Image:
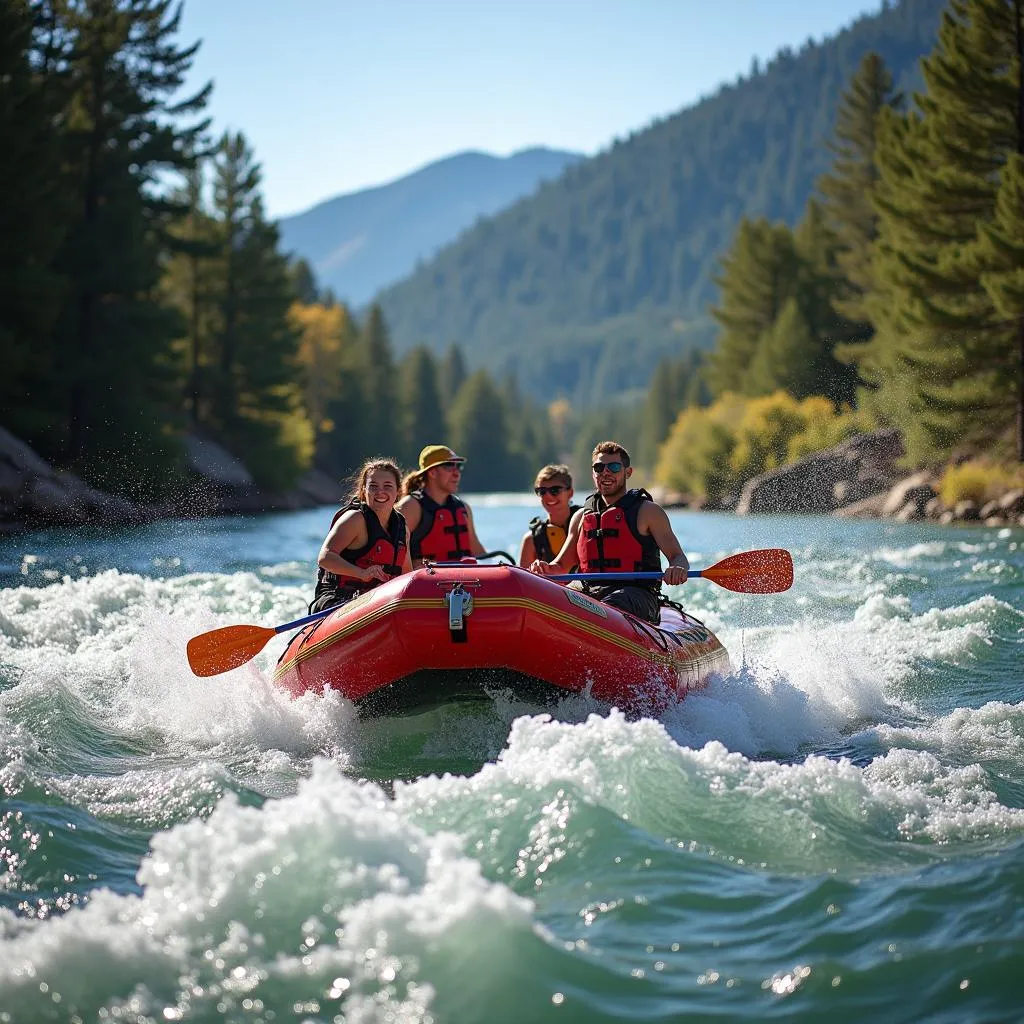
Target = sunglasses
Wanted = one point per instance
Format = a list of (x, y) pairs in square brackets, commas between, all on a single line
[(554, 490), (451, 465), (611, 467)]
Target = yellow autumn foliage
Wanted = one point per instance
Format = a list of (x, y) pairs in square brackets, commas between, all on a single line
[(710, 452), (978, 480), (324, 334)]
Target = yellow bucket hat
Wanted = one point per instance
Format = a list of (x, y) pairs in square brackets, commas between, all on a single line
[(435, 454)]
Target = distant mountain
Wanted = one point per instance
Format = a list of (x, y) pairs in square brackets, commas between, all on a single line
[(362, 242), (582, 287)]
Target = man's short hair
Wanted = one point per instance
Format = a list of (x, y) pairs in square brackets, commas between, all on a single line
[(555, 471), (610, 448)]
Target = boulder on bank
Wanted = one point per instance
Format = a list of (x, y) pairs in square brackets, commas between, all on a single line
[(222, 485), (854, 471), (34, 494), (909, 498)]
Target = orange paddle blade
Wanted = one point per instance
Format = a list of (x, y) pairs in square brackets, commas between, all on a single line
[(768, 571), (226, 648)]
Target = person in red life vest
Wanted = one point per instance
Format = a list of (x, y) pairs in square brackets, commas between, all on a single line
[(440, 524), (368, 542), (546, 535), (620, 530)]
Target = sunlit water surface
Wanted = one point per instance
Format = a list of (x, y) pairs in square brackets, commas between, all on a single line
[(832, 831)]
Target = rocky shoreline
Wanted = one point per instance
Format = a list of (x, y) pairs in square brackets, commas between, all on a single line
[(860, 478), (34, 495)]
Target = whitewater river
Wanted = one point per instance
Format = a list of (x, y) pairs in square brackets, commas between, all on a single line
[(834, 831)]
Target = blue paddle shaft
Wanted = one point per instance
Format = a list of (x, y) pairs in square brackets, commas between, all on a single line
[(306, 619), (617, 577)]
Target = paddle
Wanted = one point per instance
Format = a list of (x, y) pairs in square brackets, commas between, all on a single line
[(226, 648), (767, 571)]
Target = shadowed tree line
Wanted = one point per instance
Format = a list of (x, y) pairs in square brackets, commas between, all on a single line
[(144, 294)]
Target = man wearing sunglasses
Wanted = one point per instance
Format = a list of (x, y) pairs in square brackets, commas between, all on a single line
[(440, 524), (546, 536), (620, 530)]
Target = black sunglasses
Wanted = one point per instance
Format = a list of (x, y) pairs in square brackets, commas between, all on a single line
[(451, 465), (554, 490), (611, 467)]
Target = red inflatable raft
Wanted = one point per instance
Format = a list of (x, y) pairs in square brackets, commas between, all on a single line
[(446, 633)]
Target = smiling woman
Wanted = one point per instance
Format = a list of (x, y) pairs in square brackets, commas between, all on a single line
[(368, 542)]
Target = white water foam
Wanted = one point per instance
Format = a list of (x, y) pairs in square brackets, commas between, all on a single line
[(328, 891), (821, 814), (108, 653)]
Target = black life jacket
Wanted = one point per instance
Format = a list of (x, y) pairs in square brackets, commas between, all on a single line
[(549, 538), (443, 532), (610, 540), (383, 547)]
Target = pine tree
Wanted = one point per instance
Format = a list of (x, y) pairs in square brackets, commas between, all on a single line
[(304, 283), (941, 349), (236, 201), (759, 274), (420, 401), (999, 258), (380, 412), (788, 357), (259, 413), (114, 339), (479, 427), (814, 369), (451, 374), (192, 243), (848, 188)]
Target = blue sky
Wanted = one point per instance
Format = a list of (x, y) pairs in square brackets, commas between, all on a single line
[(337, 95)]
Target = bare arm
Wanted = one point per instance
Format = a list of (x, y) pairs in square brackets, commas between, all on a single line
[(527, 552), (347, 532), (566, 558), (474, 541), (655, 519)]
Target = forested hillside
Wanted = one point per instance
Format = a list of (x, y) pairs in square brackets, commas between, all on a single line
[(362, 242), (581, 288)]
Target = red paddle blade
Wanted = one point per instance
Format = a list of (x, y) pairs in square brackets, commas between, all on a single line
[(226, 648), (768, 571)]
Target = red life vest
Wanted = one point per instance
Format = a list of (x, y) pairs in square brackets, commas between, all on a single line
[(383, 547), (610, 540), (443, 532)]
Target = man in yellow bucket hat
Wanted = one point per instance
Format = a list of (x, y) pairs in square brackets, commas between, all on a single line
[(440, 524)]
